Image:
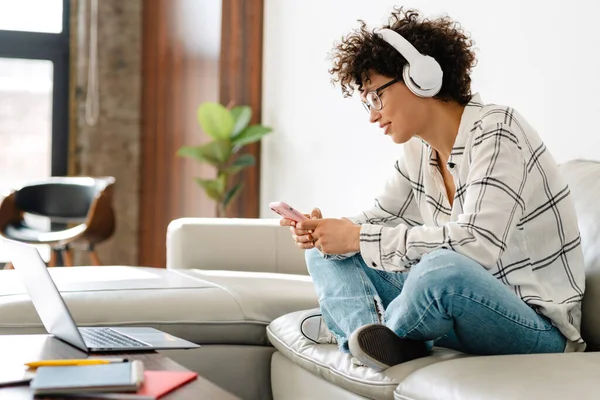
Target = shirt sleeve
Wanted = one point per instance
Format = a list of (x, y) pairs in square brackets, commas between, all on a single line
[(394, 206), (494, 203)]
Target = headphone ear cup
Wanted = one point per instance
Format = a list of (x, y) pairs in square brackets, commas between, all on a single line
[(423, 77), (412, 86), (408, 80)]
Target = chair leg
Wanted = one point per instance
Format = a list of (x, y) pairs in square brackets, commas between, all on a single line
[(67, 257), (52, 262), (94, 257)]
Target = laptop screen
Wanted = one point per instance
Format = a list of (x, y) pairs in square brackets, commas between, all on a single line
[(44, 294)]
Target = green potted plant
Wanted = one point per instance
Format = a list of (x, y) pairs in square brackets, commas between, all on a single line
[(230, 131)]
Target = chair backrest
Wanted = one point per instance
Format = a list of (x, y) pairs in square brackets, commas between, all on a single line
[(62, 199)]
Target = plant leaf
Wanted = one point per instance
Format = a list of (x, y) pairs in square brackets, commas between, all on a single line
[(251, 134), (243, 161), (241, 116), (219, 150), (222, 182), (213, 187), (196, 152), (215, 120), (190, 152), (230, 195), (216, 152)]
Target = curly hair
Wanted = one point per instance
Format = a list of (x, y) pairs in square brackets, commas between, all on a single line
[(363, 51)]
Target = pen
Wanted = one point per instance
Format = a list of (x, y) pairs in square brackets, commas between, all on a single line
[(64, 363)]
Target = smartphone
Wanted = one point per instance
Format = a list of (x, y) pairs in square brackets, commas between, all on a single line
[(287, 211)]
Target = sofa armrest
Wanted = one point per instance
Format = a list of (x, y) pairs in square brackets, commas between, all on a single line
[(235, 244)]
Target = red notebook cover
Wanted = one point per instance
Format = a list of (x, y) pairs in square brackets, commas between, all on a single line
[(159, 383)]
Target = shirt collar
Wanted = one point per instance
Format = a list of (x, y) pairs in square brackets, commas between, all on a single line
[(469, 117)]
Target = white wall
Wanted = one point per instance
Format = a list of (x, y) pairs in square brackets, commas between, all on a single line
[(537, 56)]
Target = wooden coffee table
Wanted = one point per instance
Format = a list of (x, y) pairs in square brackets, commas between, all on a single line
[(16, 350)]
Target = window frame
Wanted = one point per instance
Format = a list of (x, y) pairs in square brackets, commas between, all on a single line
[(53, 47)]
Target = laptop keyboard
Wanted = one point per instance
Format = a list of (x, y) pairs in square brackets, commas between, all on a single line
[(108, 338)]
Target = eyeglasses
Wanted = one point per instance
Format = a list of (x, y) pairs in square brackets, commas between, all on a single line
[(373, 101)]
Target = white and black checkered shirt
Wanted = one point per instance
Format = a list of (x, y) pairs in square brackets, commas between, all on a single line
[(512, 213)]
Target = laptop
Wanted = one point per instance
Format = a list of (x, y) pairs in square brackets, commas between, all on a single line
[(58, 321)]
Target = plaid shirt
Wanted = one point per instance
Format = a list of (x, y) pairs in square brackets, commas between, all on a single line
[(512, 213)]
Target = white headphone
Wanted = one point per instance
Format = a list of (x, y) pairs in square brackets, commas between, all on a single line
[(422, 74)]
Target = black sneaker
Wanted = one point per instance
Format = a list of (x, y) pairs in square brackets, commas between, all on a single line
[(378, 347)]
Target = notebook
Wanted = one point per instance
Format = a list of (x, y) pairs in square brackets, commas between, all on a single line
[(159, 383), (115, 377)]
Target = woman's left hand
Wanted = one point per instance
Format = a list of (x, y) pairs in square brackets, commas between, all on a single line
[(333, 236)]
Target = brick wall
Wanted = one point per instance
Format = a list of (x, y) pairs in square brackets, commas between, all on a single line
[(112, 145)]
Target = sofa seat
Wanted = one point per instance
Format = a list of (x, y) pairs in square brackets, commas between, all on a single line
[(328, 363), (540, 376), (207, 307), (446, 374)]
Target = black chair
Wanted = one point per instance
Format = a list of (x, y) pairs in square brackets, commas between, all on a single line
[(80, 206)]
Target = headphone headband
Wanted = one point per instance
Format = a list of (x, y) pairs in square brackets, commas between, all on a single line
[(402, 45)]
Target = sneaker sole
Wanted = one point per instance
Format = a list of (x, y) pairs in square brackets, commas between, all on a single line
[(379, 347)]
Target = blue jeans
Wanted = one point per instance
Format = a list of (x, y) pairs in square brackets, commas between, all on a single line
[(446, 299)]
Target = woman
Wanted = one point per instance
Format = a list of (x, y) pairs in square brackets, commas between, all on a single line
[(473, 243)]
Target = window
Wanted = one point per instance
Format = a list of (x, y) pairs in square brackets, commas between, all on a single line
[(26, 88), (32, 15), (34, 95)]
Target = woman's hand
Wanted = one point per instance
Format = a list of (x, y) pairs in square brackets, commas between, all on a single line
[(332, 236), (302, 237)]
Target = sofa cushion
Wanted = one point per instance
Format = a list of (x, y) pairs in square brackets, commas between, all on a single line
[(336, 367), (555, 376), (583, 178), (220, 307), (261, 297), (261, 245)]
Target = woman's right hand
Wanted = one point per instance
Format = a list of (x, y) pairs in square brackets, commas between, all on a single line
[(303, 238)]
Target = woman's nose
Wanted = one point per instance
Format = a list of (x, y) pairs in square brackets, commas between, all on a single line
[(374, 116)]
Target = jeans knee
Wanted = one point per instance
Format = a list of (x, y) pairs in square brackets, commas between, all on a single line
[(444, 269), (312, 258), (326, 269), (318, 266)]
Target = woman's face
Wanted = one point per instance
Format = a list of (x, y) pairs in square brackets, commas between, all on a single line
[(403, 114)]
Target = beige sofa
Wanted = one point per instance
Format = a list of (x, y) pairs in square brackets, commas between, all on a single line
[(219, 295), (237, 286)]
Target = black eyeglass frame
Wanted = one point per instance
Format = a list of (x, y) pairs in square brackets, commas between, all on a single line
[(377, 92)]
